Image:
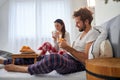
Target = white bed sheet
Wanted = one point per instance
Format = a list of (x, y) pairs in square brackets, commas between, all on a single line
[(4, 75)]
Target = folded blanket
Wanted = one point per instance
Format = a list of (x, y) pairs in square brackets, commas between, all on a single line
[(5, 54)]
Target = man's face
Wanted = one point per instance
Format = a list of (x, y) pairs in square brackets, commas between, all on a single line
[(79, 24)]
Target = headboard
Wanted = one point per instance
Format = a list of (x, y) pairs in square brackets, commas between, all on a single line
[(113, 31)]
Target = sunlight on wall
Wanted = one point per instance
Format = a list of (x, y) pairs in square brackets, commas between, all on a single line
[(91, 3)]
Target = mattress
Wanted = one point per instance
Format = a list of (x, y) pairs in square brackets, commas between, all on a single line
[(4, 75)]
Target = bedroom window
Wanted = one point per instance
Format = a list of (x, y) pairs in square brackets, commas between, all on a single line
[(25, 19), (32, 21)]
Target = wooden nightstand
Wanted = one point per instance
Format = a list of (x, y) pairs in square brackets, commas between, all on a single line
[(103, 69), (32, 55)]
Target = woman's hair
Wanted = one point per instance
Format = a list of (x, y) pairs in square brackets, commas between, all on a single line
[(84, 14), (63, 30)]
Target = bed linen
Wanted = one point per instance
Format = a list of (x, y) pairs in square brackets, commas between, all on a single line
[(4, 75)]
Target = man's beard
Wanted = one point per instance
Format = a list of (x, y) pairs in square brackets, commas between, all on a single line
[(83, 28)]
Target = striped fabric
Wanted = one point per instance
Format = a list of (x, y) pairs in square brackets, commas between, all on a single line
[(63, 64), (20, 61)]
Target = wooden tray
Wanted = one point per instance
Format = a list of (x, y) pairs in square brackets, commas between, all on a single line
[(32, 55)]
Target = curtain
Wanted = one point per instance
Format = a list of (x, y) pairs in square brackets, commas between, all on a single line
[(32, 21)]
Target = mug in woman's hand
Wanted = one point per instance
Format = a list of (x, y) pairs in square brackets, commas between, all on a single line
[(55, 34)]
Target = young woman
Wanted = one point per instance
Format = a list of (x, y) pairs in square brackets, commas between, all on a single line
[(57, 35)]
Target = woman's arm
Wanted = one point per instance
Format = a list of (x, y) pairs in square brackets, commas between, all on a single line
[(56, 45), (55, 37)]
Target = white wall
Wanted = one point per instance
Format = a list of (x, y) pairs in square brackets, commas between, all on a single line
[(2, 2), (104, 12), (4, 26), (75, 5)]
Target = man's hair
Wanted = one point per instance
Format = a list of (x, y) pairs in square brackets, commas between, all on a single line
[(84, 14)]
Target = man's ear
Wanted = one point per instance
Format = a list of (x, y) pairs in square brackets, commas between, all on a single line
[(86, 21)]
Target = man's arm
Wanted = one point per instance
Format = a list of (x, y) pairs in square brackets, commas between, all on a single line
[(77, 54)]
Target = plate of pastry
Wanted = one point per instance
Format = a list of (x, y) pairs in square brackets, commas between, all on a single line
[(26, 50)]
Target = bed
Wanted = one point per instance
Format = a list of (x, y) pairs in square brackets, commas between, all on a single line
[(4, 75)]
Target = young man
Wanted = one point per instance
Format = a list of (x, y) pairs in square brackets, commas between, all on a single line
[(66, 63)]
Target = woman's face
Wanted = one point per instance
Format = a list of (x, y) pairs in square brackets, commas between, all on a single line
[(58, 26)]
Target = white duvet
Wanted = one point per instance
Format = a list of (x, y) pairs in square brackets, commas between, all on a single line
[(4, 75)]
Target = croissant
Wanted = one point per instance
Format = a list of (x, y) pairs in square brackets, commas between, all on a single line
[(26, 49)]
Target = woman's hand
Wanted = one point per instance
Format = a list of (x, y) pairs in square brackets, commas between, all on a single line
[(55, 35)]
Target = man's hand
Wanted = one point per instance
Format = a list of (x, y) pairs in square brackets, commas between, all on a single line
[(63, 44)]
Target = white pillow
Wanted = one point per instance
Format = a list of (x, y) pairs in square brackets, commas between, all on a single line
[(96, 44), (106, 49), (90, 54)]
